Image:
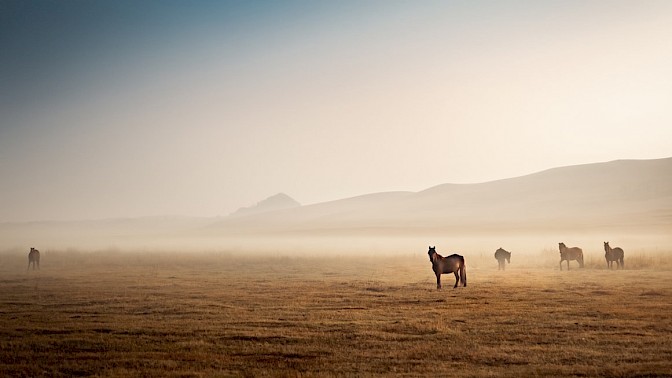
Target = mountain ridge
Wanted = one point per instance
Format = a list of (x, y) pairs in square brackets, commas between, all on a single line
[(584, 194), (280, 201)]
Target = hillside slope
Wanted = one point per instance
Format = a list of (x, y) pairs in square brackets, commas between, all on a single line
[(614, 194)]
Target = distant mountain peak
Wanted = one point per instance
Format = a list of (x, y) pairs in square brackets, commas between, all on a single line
[(280, 201)]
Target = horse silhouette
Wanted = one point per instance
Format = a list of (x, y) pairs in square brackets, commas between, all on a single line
[(568, 254), (502, 257), (450, 264), (613, 254), (33, 258)]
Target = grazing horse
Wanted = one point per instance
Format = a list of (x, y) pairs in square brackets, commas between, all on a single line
[(613, 254), (567, 254), (501, 255), (451, 264), (33, 258)]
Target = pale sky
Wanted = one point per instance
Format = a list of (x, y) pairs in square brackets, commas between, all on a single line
[(126, 109)]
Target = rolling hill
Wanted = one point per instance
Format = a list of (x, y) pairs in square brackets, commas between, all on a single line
[(618, 194)]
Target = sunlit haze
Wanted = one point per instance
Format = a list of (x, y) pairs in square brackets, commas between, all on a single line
[(124, 109)]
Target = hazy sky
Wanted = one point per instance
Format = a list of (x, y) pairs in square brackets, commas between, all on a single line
[(132, 108)]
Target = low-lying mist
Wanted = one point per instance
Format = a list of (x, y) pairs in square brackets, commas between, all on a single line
[(540, 249), (581, 206)]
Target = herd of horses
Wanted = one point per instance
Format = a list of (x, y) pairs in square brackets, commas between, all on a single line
[(576, 254), (455, 263)]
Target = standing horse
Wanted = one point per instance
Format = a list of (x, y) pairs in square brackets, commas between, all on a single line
[(451, 264), (567, 254), (502, 257), (613, 254), (33, 258)]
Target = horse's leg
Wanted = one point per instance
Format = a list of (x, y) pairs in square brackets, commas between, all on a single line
[(463, 275), (567, 264), (457, 278), (438, 281), (561, 265)]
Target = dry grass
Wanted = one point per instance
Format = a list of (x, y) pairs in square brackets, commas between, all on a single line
[(219, 315)]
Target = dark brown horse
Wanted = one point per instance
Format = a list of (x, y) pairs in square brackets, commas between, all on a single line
[(502, 257), (451, 264), (613, 254), (567, 254), (33, 258)]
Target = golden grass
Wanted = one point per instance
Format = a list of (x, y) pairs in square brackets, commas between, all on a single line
[(219, 315)]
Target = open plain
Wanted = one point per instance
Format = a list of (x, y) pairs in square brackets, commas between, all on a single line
[(220, 314)]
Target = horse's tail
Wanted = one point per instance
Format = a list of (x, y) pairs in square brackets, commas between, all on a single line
[(581, 258), (463, 272)]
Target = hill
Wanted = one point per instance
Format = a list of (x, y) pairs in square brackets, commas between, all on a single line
[(625, 198), (605, 194), (280, 201)]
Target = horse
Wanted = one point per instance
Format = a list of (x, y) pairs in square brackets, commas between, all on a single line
[(567, 254), (33, 258), (451, 264), (613, 254), (501, 255)]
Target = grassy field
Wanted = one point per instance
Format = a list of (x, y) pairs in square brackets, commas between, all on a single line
[(164, 314)]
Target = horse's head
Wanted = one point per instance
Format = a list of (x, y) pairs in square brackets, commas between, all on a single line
[(508, 258), (431, 253), (606, 246), (561, 246)]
